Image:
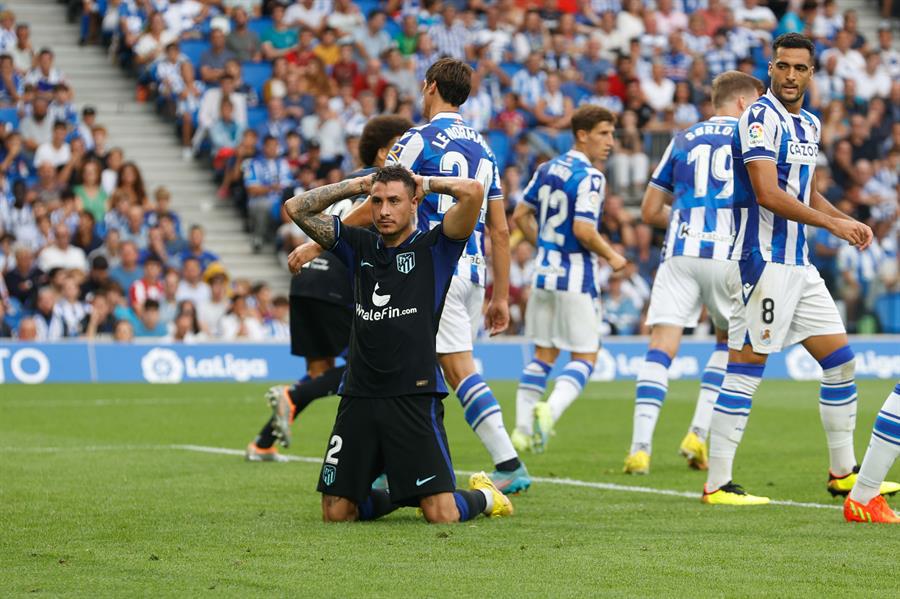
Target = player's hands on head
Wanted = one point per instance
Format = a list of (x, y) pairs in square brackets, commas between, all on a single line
[(420, 190), (303, 254), (365, 183), (617, 262), (496, 319)]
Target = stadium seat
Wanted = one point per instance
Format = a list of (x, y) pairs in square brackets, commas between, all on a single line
[(511, 68), (367, 6), (259, 26), (574, 91), (887, 311), (256, 74), (256, 116), (193, 49), (501, 145), (9, 116)]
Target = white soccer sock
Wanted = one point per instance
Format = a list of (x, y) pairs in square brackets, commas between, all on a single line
[(837, 407), (884, 449), (568, 386), (729, 420), (489, 501), (532, 385), (482, 412), (650, 393), (710, 385)]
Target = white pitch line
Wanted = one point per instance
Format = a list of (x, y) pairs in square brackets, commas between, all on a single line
[(570, 482)]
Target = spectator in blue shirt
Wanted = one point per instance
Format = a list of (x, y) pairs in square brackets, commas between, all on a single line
[(264, 178), (195, 248), (150, 324)]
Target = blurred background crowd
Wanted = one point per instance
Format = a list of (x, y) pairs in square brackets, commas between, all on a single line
[(273, 96)]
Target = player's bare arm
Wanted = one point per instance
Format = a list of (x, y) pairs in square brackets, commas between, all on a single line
[(306, 209), (524, 217), (497, 316), (656, 207), (588, 236), (764, 178), (460, 220), (360, 216)]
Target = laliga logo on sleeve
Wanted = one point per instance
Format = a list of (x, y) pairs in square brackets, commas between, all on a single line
[(755, 135), (161, 365)]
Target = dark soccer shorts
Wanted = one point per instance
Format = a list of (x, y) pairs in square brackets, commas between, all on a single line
[(401, 436), (319, 329)]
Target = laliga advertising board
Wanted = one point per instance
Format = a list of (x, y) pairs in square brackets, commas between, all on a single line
[(78, 362)]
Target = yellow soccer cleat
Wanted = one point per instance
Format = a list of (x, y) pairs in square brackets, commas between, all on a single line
[(521, 442), (543, 427), (502, 504), (841, 485), (876, 511), (694, 449), (637, 463), (731, 494)]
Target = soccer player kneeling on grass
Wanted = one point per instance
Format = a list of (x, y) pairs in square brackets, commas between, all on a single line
[(390, 418)]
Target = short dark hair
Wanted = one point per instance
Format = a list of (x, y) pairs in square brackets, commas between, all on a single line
[(396, 172), (151, 304), (793, 40), (453, 78), (378, 133), (731, 83), (589, 116)]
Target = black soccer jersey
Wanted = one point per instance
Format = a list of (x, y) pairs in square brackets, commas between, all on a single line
[(398, 295)]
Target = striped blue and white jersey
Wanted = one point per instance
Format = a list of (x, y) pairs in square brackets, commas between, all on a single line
[(562, 191), (696, 169), (448, 147), (767, 131)]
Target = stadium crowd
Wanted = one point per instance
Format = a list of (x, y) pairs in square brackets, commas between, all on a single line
[(273, 96)]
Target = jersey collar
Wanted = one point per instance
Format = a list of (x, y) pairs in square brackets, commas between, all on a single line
[(579, 156), (405, 243), (446, 115)]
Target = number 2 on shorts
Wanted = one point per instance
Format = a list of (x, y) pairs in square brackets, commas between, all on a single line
[(334, 446)]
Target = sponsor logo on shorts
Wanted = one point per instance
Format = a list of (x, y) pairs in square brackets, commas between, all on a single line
[(406, 262), (329, 473)]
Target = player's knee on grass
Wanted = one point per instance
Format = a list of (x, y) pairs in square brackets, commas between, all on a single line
[(338, 509), (439, 509)]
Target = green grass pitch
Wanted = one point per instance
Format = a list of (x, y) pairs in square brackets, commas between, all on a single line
[(94, 501)]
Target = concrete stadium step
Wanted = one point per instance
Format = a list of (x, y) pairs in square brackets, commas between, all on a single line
[(147, 139)]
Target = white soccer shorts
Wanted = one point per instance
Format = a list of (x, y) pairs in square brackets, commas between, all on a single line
[(565, 320), (787, 304), (461, 316), (683, 285)]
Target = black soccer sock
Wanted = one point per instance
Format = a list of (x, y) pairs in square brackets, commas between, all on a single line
[(376, 505), (508, 465), (266, 437), (303, 394), (469, 503)]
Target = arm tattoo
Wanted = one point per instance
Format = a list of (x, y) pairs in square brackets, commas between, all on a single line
[(306, 210)]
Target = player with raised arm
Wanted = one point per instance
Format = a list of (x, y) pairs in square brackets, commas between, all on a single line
[(448, 146), (690, 195), (778, 297), (321, 312), (390, 418), (559, 214), (865, 503)]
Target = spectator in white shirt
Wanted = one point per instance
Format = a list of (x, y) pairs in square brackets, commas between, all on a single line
[(658, 91), (346, 18), (56, 151), (758, 19), (530, 82), (191, 287), (669, 19), (211, 311), (890, 57), (150, 46), (450, 36), (211, 104), (241, 322), (61, 254), (304, 14), (874, 80), (849, 61)]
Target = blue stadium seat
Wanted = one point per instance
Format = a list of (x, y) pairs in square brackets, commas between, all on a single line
[(392, 28), (501, 145), (574, 91), (256, 74), (887, 311), (367, 6), (564, 141), (259, 26), (511, 68), (193, 49), (9, 115), (256, 116)]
